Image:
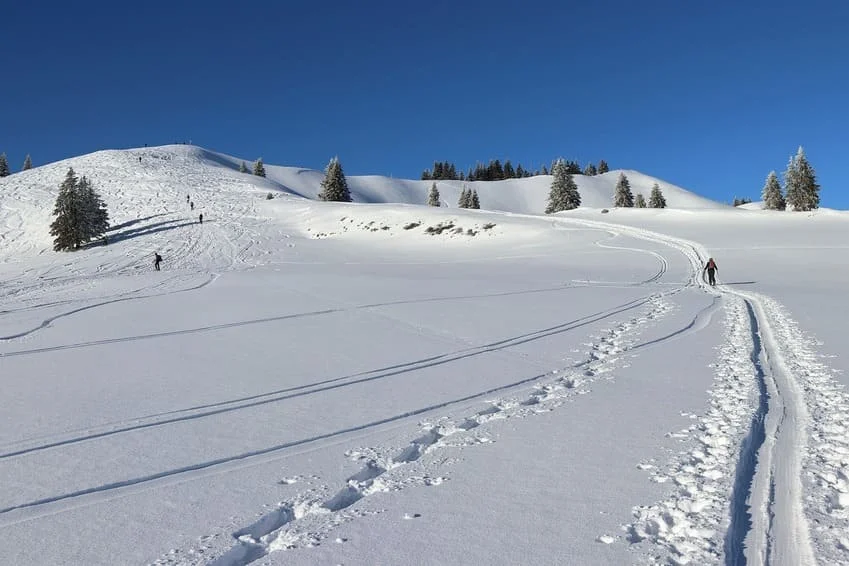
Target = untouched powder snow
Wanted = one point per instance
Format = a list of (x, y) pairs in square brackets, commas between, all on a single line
[(387, 383)]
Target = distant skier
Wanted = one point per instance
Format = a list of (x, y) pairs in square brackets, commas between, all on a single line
[(201, 218), (192, 205), (711, 269), (187, 199), (157, 259)]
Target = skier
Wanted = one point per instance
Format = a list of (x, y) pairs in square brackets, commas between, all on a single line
[(201, 217), (157, 259), (711, 269), (187, 199), (192, 205)]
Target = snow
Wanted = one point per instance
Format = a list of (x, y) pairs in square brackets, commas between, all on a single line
[(388, 383)]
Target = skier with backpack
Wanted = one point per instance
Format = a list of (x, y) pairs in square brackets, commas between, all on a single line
[(711, 269), (157, 259)]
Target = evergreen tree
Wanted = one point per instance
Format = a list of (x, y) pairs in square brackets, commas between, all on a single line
[(497, 173), (656, 199), (622, 196), (259, 168), (243, 168), (520, 171), (800, 183), (27, 163), (437, 170), (640, 201), (334, 187), (564, 192), (602, 167), (451, 171), (67, 210), (465, 198), (771, 195), (573, 167), (433, 196), (474, 201), (80, 214), (509, 172), (4, 165), (545, 170), (590, 170)]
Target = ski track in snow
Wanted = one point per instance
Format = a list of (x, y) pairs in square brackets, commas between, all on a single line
[(777, 417), (308, 518)]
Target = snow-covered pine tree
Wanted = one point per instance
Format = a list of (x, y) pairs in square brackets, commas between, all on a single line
[(564, 193), (545, 170), (334, 187), (640, 201), (590, 170), (259, 168), (68, 211), (27, 163), (474, 201), (4, 165), (95, 217), (656, 198), (792, 184), (602, 167), (803, 192), (771, 195), (243, 168), (463, 201), (622, 195), (433, 196)]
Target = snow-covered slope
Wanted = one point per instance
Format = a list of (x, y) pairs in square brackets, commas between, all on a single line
[(166, 173), (384, 383)]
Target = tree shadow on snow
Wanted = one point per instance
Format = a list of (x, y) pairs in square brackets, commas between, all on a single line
[(740, 283), (131, 222), (150, 229)]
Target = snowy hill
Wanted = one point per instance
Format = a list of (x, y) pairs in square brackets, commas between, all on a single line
[(166, 174), (389, 383)]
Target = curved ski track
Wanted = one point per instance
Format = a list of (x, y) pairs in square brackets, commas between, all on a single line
[(764, 407)]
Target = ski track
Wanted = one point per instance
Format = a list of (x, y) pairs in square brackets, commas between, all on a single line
[(308, 518), (777, 416), (26, 447)]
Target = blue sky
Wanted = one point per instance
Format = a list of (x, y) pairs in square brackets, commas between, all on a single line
[(710, 96)]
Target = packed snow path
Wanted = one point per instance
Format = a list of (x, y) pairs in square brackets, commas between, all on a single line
[(765, 516)]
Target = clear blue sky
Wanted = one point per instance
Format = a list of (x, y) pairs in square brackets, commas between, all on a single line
[(707, 95)]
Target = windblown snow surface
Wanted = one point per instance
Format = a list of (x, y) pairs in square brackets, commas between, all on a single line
[(387, 383)]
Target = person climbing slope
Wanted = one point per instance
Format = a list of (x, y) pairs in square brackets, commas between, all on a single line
[(157, 259), (711, 269)]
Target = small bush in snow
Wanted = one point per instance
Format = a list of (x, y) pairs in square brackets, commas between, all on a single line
[(269, 196)]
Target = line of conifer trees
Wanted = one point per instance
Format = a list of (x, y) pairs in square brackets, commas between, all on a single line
[(496, 171)]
